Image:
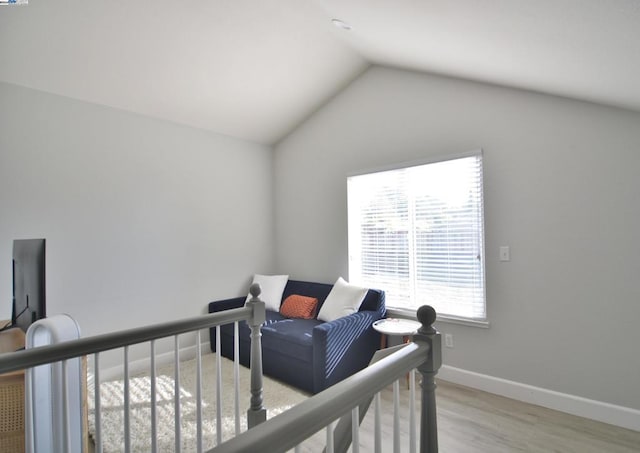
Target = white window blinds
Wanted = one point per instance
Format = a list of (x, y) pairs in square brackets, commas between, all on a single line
[(417, 233)]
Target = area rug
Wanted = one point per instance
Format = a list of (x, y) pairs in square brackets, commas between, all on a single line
[(278, 398)]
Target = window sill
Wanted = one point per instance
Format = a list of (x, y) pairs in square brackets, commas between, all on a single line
[(411, 314)]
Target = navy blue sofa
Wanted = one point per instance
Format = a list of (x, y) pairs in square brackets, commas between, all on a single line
[(306, 353)]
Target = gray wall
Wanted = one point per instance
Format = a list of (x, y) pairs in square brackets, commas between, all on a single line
[(561, 189), (145, 220)]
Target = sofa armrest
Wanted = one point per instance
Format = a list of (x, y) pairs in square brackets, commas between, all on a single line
[(343, 347), (221, 305), (226, 304)]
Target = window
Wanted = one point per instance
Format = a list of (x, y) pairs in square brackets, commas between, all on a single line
[(418, 233)]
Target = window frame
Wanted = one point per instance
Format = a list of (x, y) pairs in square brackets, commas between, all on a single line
[(410, 312)]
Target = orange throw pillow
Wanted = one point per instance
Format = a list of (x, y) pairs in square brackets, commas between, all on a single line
[(297, 306)]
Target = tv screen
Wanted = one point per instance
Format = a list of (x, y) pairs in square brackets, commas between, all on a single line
[(28, 282)]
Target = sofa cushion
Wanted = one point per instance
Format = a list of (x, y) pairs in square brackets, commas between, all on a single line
[(270, 318), (318, 290), (291, 337), (344, 299), (272, 287), (297, 306), (273, 316), (374, 300)]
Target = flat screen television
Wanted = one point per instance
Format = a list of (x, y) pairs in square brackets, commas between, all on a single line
[(29, 290)]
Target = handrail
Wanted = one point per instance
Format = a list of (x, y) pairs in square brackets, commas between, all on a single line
[(76, 348), (303, 420), (317, 412)]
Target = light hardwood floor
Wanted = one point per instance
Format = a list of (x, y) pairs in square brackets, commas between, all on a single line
[(475, 421), (472, 421)]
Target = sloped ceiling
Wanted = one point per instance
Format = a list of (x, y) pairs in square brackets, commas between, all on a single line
[(255, 69)]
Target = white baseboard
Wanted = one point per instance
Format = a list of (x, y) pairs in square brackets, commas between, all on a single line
[(624, 417)]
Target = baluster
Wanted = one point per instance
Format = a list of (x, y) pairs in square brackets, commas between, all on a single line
[(355, 429), (329, 429), (198, 393), (97, 402), (236, 373), (176, 396), (65, 421), (378, 425), (396, 416), (428, 423), (127, 422), (218, 388), (154, 399), (412, 411), (256, 413)]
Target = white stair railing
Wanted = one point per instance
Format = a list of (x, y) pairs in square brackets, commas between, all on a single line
[(339, 410), (348, 401), (253, 313)]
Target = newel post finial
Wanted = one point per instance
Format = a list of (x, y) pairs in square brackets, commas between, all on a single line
[(426, 314), (255, 290)]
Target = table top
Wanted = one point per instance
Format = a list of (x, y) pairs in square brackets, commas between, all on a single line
[(396, 326), (11, 339)]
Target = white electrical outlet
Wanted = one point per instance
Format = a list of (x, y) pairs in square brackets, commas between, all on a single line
[(448, 340), (505, 253)]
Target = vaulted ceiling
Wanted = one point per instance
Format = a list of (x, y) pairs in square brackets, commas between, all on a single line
[(256, 69)]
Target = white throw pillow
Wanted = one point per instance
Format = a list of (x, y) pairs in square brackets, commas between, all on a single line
[(343, 300), (272, 287)]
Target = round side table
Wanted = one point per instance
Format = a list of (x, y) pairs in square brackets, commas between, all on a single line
[(395, 326)]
